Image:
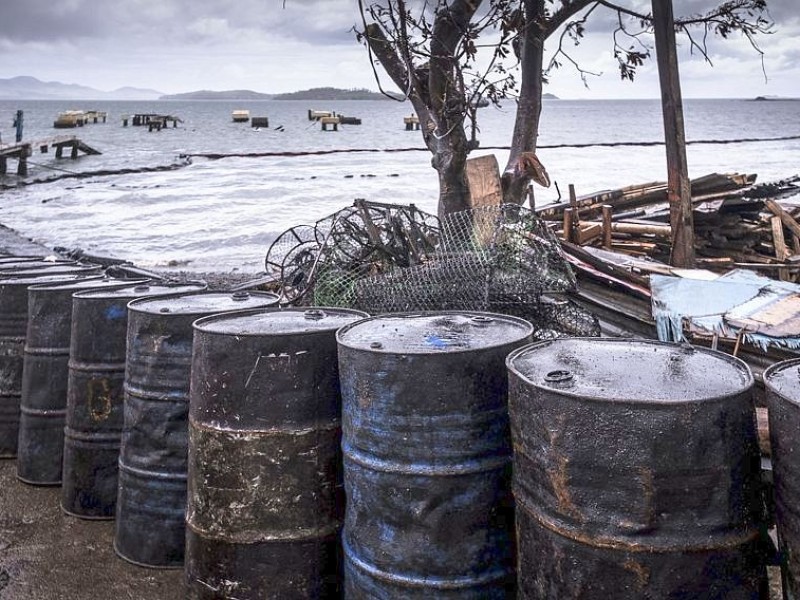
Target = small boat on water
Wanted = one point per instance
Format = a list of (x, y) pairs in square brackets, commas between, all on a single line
[(241, 116), (69, 119)]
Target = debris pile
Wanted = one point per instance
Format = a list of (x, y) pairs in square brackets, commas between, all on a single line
[(384, 258)]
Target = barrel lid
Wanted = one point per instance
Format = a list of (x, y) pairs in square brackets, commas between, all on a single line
[(141, 290), (434, 332), (33, 263), (640, 371), (202, 303), (783, 378), (51, 268), (87, 283), (280, 321), (45, 277)]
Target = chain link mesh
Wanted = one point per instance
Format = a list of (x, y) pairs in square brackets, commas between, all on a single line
[(383, 258)]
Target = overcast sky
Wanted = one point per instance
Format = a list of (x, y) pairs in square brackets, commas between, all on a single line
[(185, 45)]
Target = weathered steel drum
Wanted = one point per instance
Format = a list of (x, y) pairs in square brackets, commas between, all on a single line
[(782, 383), (636, 471), (28, 270), (151, 500), (13, 328), (43, 406), (266, 501), (427, 455), (96, 372)]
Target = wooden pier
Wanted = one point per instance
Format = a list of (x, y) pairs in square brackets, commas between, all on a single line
[(22, 150), (411, 122), (152, 121)]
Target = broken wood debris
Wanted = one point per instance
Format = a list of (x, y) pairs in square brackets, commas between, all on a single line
[(736, 222)]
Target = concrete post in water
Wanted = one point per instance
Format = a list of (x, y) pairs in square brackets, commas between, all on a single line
[(45, 374), (151, 497), (782, 382), (266, 501), (636, 472), (427, 455), (96, 371)]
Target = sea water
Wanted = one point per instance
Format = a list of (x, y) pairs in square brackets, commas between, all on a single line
[(223, 213)]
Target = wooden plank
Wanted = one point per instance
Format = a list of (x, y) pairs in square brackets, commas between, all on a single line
[(781, 251), (607, 214), (483, 178), (568, 224), (587, 232), (777, 210)]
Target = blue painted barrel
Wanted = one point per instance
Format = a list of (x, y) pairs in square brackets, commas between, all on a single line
[(13, 329), (94, 419), (45, 373), (427, 455), (266, 501), (151, 497)]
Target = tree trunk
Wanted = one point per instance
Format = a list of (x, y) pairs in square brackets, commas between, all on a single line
[(529, 105)]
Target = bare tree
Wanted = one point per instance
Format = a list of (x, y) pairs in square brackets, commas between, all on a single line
[(447, 55)]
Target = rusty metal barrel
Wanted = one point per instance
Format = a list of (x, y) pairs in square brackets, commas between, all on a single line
[(782, 383), (427, 455), (265, 495), (636, 471), (37, 269), (151, 500), (43, 405), (13, 328), (96, 372)]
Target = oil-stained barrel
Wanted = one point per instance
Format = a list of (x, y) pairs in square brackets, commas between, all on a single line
[(427, 455), (28, 270), (636, 471), (782, 383), (266, 501), (43, 406), (13, 328), (96, 372), (151, 502)]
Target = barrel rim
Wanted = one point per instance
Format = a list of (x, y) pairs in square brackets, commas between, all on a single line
[(200, 324), (770, 371), (432, 313), (57, 286), (26, 281), (134, 305), (106, 294), (566, 392)]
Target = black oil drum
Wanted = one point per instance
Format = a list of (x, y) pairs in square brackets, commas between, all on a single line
[(427, 455), (151, 500), (96, 372), (266, 501), (782, 383), (43, 406), (28, 270), (636, 471), (13, 328)]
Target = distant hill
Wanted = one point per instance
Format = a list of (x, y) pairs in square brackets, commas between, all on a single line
[(549, 97), (30, 88), (226, 95), (329, 93)]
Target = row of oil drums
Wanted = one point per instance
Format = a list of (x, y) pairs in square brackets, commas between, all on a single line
[(319, 452)]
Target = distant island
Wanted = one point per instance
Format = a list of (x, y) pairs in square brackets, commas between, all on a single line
[(212, 95), (329, 93)]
